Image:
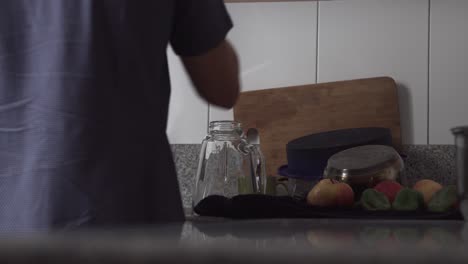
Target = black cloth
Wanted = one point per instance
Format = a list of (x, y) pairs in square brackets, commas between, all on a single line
[(84, 93), (255, 206)]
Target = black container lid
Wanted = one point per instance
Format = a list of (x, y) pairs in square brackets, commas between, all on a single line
[(307, 156), (340, 138)]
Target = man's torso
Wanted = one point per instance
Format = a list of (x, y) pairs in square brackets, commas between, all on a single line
[(84, 91)]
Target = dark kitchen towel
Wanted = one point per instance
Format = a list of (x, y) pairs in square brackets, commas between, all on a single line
[(255, 206)]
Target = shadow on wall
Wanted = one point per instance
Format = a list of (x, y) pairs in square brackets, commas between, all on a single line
[(406, 113)]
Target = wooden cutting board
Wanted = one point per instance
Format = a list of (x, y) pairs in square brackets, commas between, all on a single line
[(282, 114)]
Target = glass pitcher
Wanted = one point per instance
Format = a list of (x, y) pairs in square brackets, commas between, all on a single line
[(228, 164)]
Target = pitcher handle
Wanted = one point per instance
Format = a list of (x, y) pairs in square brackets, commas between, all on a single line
[(258, 165)]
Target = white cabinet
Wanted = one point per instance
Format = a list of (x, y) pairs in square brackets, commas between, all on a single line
[(448, 69), (367, 38), (276, 44), (188, 114)]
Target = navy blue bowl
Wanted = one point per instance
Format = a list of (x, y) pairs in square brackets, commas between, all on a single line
[(308, 156)]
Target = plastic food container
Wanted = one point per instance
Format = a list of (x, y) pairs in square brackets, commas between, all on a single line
[(364, 167)]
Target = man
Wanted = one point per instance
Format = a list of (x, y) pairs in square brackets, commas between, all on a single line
[(84, 93)]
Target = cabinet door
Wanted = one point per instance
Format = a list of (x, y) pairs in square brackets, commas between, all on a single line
[(369, 38), (276, 43), (448, 94), (188, 114)]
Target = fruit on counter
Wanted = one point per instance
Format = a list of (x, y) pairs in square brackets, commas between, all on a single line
[(427, 188), (443, 200), (329, 193), (389, 188), (408, 200), (345, 197), (373, 200)]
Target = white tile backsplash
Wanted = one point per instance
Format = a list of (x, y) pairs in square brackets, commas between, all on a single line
[(448, 69), (276, 44), (369, 38), (188, 113)]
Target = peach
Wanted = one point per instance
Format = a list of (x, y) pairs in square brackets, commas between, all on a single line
[(427, 188), (329, 193)]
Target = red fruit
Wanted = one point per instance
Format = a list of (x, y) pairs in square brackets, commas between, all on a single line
[(346, 196), (389, 188), (331, 193)]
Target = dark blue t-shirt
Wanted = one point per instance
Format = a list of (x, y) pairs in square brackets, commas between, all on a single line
[(84, 92)]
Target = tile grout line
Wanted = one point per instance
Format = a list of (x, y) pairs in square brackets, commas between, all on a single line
[(317, 44), (429, 71)]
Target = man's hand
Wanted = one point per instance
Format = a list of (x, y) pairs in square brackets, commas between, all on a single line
[(215, 75)]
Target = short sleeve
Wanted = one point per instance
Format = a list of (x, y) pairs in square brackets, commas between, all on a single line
[(199, 25)]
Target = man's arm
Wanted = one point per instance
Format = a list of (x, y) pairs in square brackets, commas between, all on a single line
[(215, 75)]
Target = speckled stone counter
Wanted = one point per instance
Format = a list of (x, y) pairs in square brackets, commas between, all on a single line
[(435, 162), (424, 161), (216, 240), (186, 161)]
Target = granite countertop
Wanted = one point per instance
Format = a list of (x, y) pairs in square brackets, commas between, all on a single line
[(435, 162), (212, 240)]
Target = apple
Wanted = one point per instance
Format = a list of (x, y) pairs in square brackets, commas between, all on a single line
[(427, 188), (389, 188), (329, 193)]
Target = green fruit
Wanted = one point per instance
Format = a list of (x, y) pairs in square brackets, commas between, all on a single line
[(408, 200), (443, 200), (373, 200)]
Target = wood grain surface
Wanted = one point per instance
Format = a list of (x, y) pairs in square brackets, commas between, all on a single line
[(283, 114)]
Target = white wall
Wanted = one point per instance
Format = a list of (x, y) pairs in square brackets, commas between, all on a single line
[(188, 114), (448, 89), (369, 38), (423, 44), (276, 44)]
